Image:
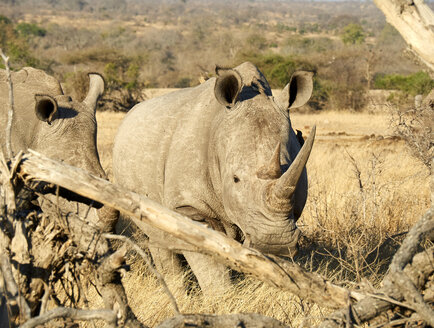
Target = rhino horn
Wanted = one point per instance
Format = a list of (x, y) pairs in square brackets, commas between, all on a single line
[(280, 190), (96, 89), (272, 169)]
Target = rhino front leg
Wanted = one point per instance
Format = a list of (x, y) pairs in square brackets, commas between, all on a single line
[(166, 261), (169, 265), (213, 277)]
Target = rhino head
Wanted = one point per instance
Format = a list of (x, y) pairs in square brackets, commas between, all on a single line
[(52, 123), (258, 168)]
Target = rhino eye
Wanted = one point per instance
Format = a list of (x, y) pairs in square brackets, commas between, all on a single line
[(236, 179)]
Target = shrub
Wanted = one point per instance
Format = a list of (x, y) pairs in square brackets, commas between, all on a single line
[(413, 84), (15, 46), (27, 30), (297, 44), (279, 69), (5, 20), (353, 34), (183, 82), (257, 41), (97, 54)]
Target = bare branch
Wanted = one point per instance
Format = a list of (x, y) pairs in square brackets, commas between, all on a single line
[(148, 261), (248, 320), (9, 153), (13, 294), (74, 314), (391, 294), (5, 182), (414, 21), (280, 273), (423, 228)]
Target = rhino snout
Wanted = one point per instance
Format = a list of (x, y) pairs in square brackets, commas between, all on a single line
[(276, 240)]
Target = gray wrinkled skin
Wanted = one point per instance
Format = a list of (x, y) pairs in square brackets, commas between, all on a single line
[(49, 122), (205, 152)]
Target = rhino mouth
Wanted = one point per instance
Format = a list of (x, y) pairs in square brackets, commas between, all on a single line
[(282, 243)]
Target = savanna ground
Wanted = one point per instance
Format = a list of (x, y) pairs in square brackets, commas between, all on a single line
[(365, 191)]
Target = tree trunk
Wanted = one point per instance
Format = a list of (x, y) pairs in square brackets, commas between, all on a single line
[(414, 20)]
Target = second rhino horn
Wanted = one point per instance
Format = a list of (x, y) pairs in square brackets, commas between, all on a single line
[(271, 170)]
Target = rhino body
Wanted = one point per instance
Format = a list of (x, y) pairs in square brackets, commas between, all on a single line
[(219, 153), (51, 123)]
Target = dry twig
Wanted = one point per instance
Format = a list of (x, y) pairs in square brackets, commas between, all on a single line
[(12, 291), (148, 261), (9, 153), (74, 314)]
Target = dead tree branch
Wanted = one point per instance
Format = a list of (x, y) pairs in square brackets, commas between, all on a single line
[(8, 196), (423, 228), (249, 320), (404, 286), (11, 106), (17, 303), (74, 314), (414, 20), (280, 273), (388, 296), (148, 262)]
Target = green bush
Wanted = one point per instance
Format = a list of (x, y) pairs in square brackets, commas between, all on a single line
[(5, 20), (257, 41), (353, 34), (15, 46), (277, 68), (123, 72), (183, 82), (301, 45), (413, 84), (26, 30)]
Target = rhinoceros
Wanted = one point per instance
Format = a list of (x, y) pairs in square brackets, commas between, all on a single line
[(222, 153), (48, 121)]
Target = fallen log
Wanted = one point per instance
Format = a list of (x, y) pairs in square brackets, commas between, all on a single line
[(275, 271), (250, 320)]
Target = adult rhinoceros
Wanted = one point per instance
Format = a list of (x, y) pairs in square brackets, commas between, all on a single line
[(48, 121), (223, 153)]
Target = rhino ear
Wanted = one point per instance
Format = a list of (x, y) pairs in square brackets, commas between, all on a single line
[(96, 89), (227, 86), (45, 108), (297, 92)]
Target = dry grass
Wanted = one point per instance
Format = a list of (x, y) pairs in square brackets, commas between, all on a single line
[(365, 189)]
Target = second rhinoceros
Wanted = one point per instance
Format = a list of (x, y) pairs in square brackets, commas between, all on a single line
[(222, 153), (50, 122)]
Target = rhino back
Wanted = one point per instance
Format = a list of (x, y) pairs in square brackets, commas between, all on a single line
[(160, 149)]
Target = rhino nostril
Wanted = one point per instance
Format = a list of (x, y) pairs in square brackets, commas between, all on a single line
[(236, 179)]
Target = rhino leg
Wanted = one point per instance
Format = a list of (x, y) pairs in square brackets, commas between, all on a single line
[(169, 265), (213, 277), (166, 261)]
